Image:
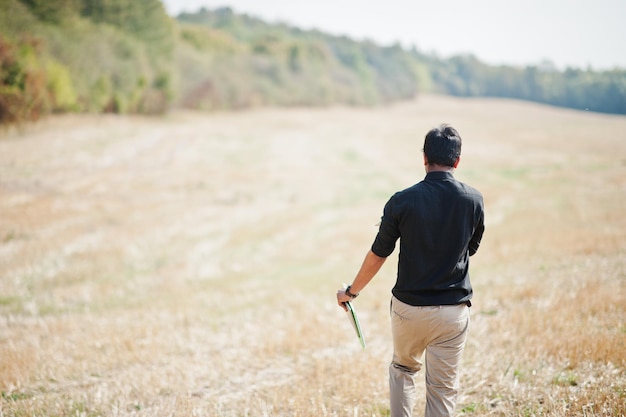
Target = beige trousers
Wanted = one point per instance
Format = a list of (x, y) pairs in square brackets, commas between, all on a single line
[(438, 332)]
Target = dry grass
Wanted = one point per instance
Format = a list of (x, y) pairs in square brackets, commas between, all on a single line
[(187, 266)]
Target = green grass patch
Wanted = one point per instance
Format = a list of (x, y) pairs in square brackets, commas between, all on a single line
[(15, 396)]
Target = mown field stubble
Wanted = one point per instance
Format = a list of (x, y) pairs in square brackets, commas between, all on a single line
[(187, 266)]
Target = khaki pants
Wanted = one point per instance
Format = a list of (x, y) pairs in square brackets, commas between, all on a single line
[(440, 332)]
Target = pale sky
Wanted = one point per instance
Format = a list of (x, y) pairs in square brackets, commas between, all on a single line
[(574, 33)]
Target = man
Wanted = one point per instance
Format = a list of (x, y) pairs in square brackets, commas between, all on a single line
[(440, 223)]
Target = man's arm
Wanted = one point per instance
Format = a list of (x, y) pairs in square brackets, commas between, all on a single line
[(371, 265), (477, 237)]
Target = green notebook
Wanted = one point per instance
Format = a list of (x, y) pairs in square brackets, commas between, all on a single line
[(354, 320)]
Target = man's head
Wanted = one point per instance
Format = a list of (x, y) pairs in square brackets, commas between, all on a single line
[(442, 146)]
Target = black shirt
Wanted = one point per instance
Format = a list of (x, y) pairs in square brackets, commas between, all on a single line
[(440, 222)]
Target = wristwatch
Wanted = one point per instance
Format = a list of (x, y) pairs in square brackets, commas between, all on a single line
[(349, 294)]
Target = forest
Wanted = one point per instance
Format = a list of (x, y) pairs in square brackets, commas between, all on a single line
[(124, 56)]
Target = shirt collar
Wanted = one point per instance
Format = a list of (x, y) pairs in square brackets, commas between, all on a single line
[(440, 175)]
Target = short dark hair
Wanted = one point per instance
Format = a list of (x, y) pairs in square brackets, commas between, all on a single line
[(442, 145)]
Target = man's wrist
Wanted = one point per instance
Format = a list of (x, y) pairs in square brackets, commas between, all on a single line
[(350, 294)]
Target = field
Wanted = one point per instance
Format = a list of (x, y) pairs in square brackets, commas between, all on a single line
[(187, 266)]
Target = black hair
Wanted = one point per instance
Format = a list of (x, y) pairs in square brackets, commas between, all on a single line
[(442, 145)]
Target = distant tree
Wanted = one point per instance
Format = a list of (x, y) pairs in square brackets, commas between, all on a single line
[(53, 11), (23, 95), (145, 19)]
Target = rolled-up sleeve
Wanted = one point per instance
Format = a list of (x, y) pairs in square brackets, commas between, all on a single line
[(388, 232)]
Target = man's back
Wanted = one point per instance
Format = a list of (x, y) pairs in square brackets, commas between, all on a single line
[(439, 222)]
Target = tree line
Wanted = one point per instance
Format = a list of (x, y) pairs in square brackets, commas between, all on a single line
[(583, 89), (84, 56), (126, 56)]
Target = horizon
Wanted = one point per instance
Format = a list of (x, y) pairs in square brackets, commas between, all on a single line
[(589, 34)]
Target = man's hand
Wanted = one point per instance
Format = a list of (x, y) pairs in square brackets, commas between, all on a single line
[(342, 298)]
